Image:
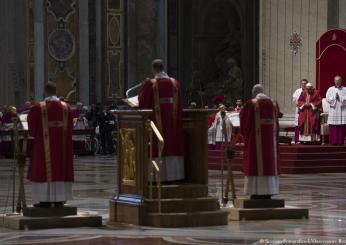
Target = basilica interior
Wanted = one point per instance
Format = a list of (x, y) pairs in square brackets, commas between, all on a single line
[(100, 52)]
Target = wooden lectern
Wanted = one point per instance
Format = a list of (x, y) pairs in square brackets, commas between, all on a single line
[(187, 204)]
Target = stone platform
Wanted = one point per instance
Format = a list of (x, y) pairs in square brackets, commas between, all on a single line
[(45, 218), (184, 205), (263, 209)]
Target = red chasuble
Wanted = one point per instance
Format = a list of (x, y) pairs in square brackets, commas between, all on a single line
[(260, 128), (308, 120), (50, 123), (163, 96)]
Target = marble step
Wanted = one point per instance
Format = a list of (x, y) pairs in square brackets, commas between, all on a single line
[(20, 222), (259, 203), (238, 214), (209, 218), (181, 191), (49, 212), (180, 205)]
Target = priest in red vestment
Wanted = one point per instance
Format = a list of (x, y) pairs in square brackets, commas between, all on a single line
[(51, 163), (162, 94), (309, 106), (260, 129)]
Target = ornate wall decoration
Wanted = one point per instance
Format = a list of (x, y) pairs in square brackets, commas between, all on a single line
[(113, 64), (114, 50), (62, 46), (295, 42), (114, 31), (128, 156), (61, 9)]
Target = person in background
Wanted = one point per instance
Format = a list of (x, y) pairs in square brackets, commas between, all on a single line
[(296, 96), (238, 105), (336, 97), (106, 122), (51, 163), (163, 95), (259, 126), (310, 106)]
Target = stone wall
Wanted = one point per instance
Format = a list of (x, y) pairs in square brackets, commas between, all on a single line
[(281, 69)]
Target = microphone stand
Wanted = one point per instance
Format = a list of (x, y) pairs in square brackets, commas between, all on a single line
[(134, 88), (15, 147)]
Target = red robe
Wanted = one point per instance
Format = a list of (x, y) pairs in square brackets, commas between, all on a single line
[(60, 170), (163, 96), (261, 132), (76, 113), (211, 119), (307, 114)]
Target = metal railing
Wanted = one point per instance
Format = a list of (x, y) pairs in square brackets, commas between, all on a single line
[(154, 166)]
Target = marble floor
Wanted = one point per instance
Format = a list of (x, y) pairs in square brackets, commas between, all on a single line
[(323, 194)]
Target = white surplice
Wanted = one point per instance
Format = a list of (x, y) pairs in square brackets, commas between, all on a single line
[(337, 110), (295, 98), (217, 128)]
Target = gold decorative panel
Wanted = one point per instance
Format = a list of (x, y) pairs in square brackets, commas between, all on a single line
[(128, 156), (114, 50)]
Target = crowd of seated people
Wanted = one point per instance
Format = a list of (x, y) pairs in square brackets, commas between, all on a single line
[(95, 120)]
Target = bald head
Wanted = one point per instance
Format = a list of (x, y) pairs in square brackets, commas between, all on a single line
[(257, 89), (157, 66), (338, 80), (50, 88)]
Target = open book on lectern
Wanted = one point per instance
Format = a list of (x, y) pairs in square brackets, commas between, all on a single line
[(132, 101)]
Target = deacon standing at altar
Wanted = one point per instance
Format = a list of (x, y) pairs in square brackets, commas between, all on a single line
[(162, 94), (310, 106), (260, 127), (51, 163), (217, 127), (296, 96), (336, 97)]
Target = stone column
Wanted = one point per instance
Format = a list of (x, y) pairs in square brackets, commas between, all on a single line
[(342, 14), (99, 51), (146, 29), (333, 14), (84, 52), (39, 49), (12, 52), (162, 30), (131, 43)]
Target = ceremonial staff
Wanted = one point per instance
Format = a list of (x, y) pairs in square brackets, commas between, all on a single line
[(229, 155), (20, 155)]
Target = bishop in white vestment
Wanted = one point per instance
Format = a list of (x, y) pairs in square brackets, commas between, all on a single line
[(336, 97)]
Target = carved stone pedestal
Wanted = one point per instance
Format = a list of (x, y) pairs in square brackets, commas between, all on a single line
[(263, 209)]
